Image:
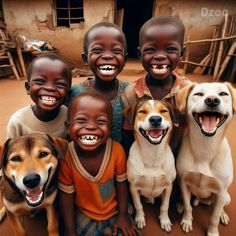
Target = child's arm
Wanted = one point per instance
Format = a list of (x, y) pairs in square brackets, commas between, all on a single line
[(67, 210), (123, 221)]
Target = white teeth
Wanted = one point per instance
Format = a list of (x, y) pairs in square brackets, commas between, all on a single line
[(159, 69), (34, 201), (107, 69), (89, 139), (48, 100)]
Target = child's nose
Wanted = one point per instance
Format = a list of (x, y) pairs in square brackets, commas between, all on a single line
[(160, 55), (107, 55)]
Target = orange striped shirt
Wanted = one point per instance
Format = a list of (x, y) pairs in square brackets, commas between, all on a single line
[(95, 196)]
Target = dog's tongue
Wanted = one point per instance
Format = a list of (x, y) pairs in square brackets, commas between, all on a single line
[(154, 132), (209, 122), (34, 193)]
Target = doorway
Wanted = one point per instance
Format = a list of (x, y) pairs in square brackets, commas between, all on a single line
[(136, 12)]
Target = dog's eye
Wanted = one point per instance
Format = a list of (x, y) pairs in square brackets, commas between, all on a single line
[(223, 94), (16, 159), (43, 154), (198, 94), (142, 112), (164, 111)]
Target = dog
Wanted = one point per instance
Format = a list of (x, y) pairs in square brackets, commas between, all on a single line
[(29, 181), (204, 163), (151, 165)]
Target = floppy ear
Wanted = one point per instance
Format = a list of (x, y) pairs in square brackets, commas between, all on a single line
[(129, 113), (232, 91), (60, 145), (3, 153), (182, 96)]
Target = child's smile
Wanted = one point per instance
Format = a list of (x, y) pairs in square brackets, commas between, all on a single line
[(89, 122)]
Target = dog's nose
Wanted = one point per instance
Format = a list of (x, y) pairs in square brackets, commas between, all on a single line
[(212, 101), (155, 120), (31, 181)]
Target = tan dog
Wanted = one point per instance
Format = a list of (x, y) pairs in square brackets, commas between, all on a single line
[(29, 181), (204, 163), (150, 166)]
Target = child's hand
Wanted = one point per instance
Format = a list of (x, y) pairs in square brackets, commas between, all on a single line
[(123, 222)]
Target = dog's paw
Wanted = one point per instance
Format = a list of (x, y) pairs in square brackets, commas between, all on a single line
[(166, 224), (186, 225), (224, 218), (213, 233), (2, 213), (140, 220)]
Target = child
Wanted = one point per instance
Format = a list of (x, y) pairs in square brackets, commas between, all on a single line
[(161, 49), (105, 54), (92, 178), (48, 84)]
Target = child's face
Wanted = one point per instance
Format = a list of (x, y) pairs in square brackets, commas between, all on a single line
[(48, 85), (89, 124), (161, 50), (106, 53)]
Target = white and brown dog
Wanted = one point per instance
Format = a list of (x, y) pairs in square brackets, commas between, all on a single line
[(151, 166), (204, 163), (29, 181)]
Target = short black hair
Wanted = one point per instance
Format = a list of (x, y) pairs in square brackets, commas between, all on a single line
[(52, 57), (162, 20), (92, 94), (103, 24)]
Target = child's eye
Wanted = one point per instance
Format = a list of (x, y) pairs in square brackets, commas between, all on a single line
[(80, 120), (97, 50), (117, 50), (171, 49), (38, 81), (148, 50), (61, 85), (102, 122)]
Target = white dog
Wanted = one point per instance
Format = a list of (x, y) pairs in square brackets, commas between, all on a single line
[(150, 166), (204, 163)]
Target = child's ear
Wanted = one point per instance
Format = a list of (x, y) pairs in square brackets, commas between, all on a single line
[(85, 58), (182, 52), (139, 53), (27, 87)]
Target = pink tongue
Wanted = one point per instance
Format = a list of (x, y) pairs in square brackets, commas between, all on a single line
[(154, 132), (34, 193), (209, 122)]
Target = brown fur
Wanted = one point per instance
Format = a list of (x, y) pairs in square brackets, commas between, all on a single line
[(29, 148)]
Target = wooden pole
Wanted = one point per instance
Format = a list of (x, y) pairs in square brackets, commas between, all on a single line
[(187, 54), (226, 61), (221, 47), (20, 57)]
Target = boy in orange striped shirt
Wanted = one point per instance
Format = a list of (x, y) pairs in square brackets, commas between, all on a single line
[(92, 178)]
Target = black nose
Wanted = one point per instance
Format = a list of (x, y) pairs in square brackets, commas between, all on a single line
[(31, 181), (212, 101), (155, 120)]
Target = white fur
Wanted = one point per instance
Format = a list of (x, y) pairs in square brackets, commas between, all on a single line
[(151, 171), (209, 158)]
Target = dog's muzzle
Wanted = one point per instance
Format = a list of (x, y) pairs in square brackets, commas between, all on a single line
[(34, 195)]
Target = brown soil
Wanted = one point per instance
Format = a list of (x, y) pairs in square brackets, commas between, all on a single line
[(13, 96)]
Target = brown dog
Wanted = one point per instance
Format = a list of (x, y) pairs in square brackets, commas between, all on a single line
[(29, 183)]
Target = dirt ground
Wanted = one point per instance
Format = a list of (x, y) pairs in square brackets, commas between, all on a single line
[(13, 97)]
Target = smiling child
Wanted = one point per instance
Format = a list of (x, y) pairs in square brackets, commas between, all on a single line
[(105, 54), (92, 179), (48, 84)]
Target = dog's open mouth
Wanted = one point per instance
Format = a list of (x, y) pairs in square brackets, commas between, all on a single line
[(154, 136), (209, 121), (35, 196)]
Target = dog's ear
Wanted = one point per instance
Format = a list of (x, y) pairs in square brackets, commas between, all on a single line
[(3, 153), (182, 96), (232, 91), (129, 113), (60, 145)]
